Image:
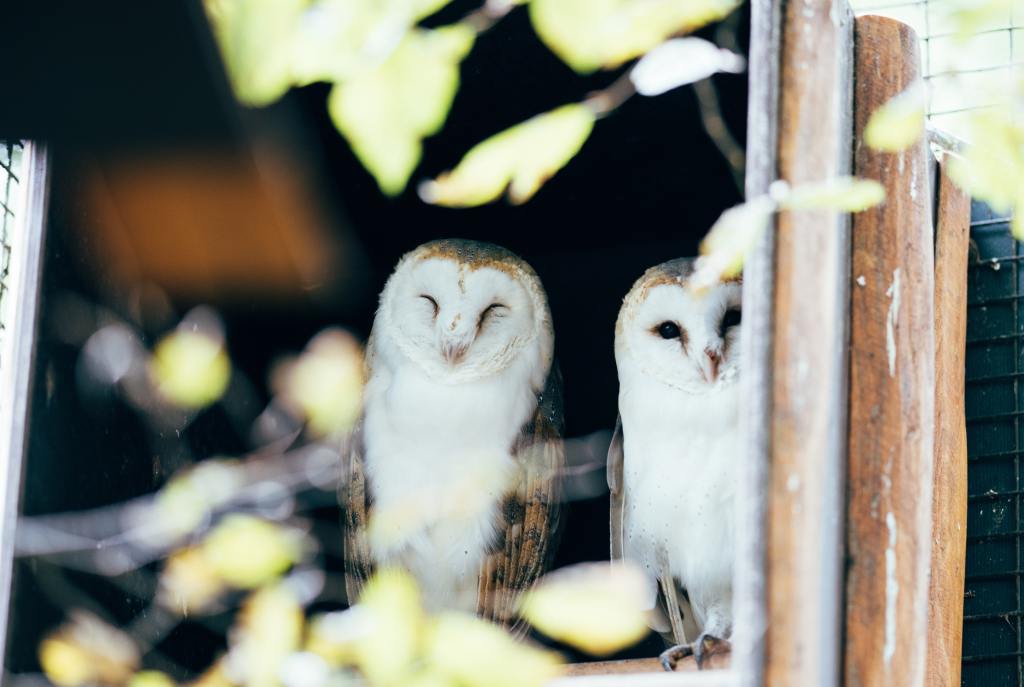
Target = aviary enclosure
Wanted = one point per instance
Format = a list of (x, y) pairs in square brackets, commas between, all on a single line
[(155, 206)]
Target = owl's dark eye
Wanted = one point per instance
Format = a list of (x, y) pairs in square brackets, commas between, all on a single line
[(490, 309), (732, 317), (668, 330), (432, 303)]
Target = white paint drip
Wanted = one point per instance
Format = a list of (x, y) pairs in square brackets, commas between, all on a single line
[(892, 590), (861, 281), (890, 321), (913, 180)]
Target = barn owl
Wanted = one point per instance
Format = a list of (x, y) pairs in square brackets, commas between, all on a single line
[(451, 472), (672, 460)]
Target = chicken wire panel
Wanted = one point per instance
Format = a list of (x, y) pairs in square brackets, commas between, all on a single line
[(993, 649), (961, 73), (10, 179)]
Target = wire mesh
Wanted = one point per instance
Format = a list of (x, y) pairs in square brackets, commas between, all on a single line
[(962, 73), (993, 648), (10, 179)]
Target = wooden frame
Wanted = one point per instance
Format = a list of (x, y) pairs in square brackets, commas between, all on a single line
[(808, 413), (17, 354)]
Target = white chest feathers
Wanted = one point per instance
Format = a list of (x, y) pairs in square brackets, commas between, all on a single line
[(680, 458), (438, 461)]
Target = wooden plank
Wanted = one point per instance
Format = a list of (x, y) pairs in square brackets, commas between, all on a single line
[(749, 593), (636, 666), (949, 480), (808, 421), (892, 378), (18, 353)]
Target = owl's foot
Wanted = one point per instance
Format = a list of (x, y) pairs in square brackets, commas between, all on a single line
[(703, 648)]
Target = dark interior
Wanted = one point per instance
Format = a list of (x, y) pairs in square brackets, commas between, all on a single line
[(99, 81)]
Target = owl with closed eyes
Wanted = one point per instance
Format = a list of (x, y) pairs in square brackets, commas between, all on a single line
[(672, 461), (452, 471)]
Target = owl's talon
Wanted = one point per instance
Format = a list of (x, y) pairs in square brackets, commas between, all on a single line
[(669, 657), (707, 646), (702, 649)]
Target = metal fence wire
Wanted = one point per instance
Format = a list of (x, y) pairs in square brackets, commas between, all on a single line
[(10, 178), (993, 647), (961, 74)]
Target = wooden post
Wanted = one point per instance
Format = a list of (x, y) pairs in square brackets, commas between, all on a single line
[(809, 337), (949, 505), (892, 384)]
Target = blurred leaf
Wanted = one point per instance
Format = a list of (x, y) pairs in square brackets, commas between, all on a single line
[(729, 241), (247, 552), (214, 676), (520, 159), (597, 607), (971, 16), (386, 111), (151, 678), (256, 39), (992, 167), (471, 499), (269, 629), (304, 669), (392, 620), (186, 500), (682, 61), (333, 636), (594, 34), (898, 123), (189, 583), (190, 369), (845, 194), (474, 652), (325, 384), (86, 650), (339, 38), (65, 663)]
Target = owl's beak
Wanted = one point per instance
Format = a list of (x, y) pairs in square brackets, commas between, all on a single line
[(454, 351), (710, 363)]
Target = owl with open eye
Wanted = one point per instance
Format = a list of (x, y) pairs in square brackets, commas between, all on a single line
[(452, 472), (672, 460)]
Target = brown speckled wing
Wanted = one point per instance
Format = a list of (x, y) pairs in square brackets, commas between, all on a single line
[(355, 502), (529, 520), (615, 490)]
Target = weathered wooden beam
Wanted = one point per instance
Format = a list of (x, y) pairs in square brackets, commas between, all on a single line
[(949, 480), (808, 415), (892, 384)]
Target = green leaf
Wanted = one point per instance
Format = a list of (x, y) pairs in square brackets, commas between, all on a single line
[(968, 17), (339, 38), (256, 39), (729, 241), (898, 123), (992, 167), (520, 159), (386, 111), (597, 607), (268, 629), (602, 34), (474, 652), (391, 613), (845, 194), (190, 368), (325, 384), (247, 552)]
